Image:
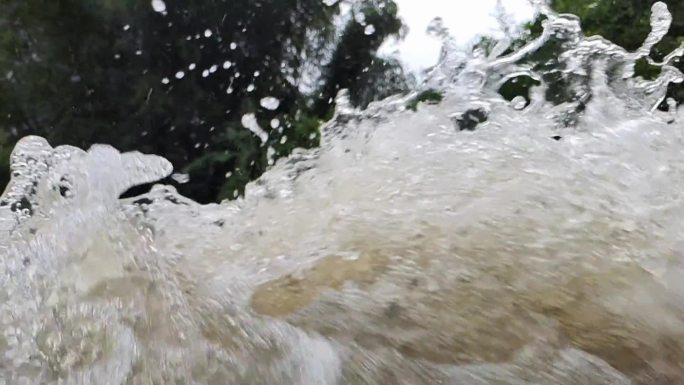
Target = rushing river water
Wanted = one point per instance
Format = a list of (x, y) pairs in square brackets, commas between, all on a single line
[(403, 251)]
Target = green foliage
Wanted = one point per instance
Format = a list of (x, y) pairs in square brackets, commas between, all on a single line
[(428, 96), (518, 86), (354, 64), (5, 150), (85, 71)]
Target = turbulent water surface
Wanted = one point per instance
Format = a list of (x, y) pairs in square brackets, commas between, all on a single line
[(404, 251)]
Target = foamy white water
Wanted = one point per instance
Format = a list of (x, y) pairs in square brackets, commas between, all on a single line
[(403, 251)]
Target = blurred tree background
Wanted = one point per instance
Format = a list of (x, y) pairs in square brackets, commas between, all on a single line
[(208, 84), (213, 84)]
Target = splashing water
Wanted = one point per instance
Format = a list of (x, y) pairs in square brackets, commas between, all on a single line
[(404, 250)]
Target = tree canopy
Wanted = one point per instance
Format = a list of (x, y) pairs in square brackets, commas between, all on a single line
[(209, 84)]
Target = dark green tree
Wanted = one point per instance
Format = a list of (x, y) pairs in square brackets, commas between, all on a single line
[(179, 80), (355, 65)]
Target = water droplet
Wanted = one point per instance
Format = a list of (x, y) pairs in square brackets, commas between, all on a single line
[(275, 123), (180, 75), (165, 81), (519, 102), (369, 30), (213, 68), (192, 66), (250, 88), (207, 33), (330, 3), (126, 27), (159, 6), (205, 73), (227, 64), (181, 178), (233, 45), (249, 121), (269, 103), (256, 74), (437, 29), (270, 155)]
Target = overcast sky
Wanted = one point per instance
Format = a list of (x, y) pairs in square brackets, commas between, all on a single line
[(464, 18)]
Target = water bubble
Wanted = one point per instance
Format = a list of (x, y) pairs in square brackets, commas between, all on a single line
[(159, 6), (180, 75), (269, 103), (369, 30)]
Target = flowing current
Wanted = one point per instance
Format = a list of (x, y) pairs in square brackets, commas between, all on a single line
[(405, 250)]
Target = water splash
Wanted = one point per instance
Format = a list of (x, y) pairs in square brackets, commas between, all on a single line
[(405, 250)]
